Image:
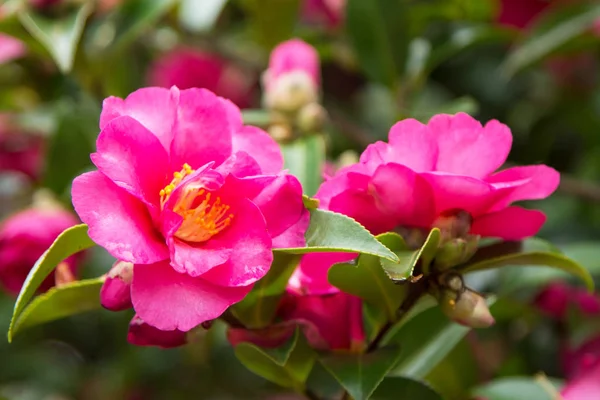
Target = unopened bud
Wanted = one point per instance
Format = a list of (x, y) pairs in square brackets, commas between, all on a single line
[(467, 308), (291, 91), (311, 118), (456, 252), (115, 294), (280, 132), (453, 224)]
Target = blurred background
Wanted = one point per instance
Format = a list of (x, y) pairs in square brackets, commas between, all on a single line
[(532, 64)]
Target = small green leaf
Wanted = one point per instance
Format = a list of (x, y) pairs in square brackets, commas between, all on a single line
[(272, 21), (535, 259), (516, 388), (71, 241), (408, 259), (305, 158), (310, 203), (360, 374), (59, 302), (288, 366), (59, 37), (200, 15), (554, 30), (332, 232), (258, 308), (403, 388)]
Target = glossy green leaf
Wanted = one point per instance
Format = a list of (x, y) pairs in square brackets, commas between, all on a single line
[(258, 308), (272, 21), (360, 374), (59, 37), (305, 158), (399, 271), (554, 30), (517, 388), (200, 15), (59, 302), (288, 365), (395, 388), (332, 232), (378, 33), (535, 259), (71, 241)]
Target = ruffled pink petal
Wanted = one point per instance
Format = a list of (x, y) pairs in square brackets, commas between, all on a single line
[(413, 145), (584, 387), (374, 155), (355, 177), (10, 48), (364, 208), (197, 258), (467, 148), (263, 148), (240, 165), (202, 130), (461, 192), (512, 223), (250, 245), (133, 158), (311, 275), (153, 107), (117, 221), (404, 195), (294, 236), (169, 300), (532, 182), (142, 334)]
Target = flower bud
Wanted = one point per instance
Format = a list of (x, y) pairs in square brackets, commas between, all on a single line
[(311, 118), (466, 308), (290, 92), (455, 252), (453, 224), (115, 294), (281, 132), (142, 334)]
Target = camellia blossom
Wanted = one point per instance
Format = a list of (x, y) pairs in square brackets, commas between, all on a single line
[(24, 237), (326, 12), (557, 297), (189, 68), (426, 170), (10, 48), (194, 199)]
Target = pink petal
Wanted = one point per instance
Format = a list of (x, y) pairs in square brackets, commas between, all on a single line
[(10, 48), (133, 158), (115, 295), (142, 334), (460, 192), (311, 275), (294, 55), (294, 236), (203, 130), (512, 223), (532, 182), (355, 177), (261, 146), (467, 148), (197, 258), (413, 145), (169, 300), (240, 164), (584, 387), (153, 107), (250, 244), (374, 155), (117, 221), (364, 208), (404, 195)]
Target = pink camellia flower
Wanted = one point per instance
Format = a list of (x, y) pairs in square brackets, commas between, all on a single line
[(190, 196), (520, 13), (426, 170), (189, 68), (10, 48), (324, 12), (556, 298), (293, 77), (24, 237)]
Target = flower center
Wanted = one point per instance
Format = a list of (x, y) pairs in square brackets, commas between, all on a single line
[(203, 214)]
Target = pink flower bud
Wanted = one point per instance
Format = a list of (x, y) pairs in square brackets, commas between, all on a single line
[(142, 334), (115, 294), (468, 308), (24, 237), (10, 48)]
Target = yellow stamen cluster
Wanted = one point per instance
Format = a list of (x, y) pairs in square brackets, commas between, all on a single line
[(203, 221), (177, 178)]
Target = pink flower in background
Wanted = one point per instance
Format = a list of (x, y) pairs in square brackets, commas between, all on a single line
[(188, 68), (520, 13), (44, 3), (324, 12), (10, 48), (557, 297), (24, 237), (20, 151), (190, 196)]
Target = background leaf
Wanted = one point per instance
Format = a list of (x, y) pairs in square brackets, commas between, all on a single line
[(404, 388), (305, 159), (515, 388)]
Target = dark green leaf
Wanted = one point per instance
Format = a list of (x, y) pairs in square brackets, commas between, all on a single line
[(259, 306), (332, 232), (272, 21), (378, 32), (305, 158), (71, 241), (200, 15), (360, 374), (59, 37), (516, 388), (402, 270), (403, 388), (555, 29), (59, 302)]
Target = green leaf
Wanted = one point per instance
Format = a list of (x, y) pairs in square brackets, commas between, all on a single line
[(517, 388), (378, 32), (200, 15), (59, 302), (557, 28), (535, 259), (258, 308), (399, 271), (288, 366), (272, 21), (257, 117), (332, 232), (586, 254), (305, 158), (71, 241), (403, 388), (59, 37), (360, 374)]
